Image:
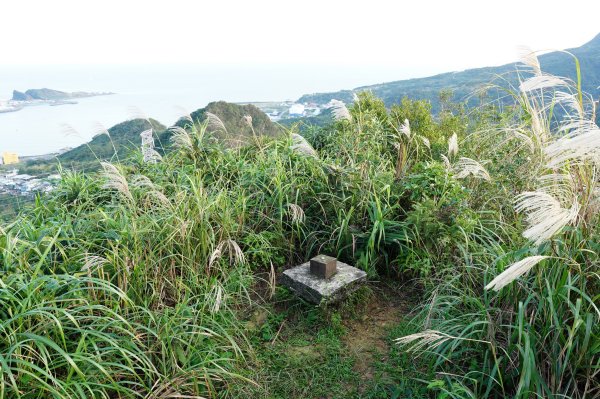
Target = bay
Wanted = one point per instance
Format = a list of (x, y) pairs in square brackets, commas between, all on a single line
[(159, 91)]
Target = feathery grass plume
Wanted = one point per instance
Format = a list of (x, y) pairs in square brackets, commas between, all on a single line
[(528, 57), (571, 103), (115, 180), (581, 143), (301, 146), (217, 296), (152, 192), (545, 214), (214, 256), (405, 128), (446, 161), (69, 131), (248, 120), (142, 181), (467, 166), (215, 123), (272, 281), (514, 271), (93, 263), (340, 111), (425, 141), (183, 114), (236, 255), (161, 197), (296, 213), (99, 129), (452, 145), (559, 185), (539, 128), (137, 113), (519, 134), (180, 138), (541, 82), (428, 339)]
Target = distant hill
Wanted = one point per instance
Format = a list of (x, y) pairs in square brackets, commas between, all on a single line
[(464, 84), (238, 131), (50, 95), (125, 137)]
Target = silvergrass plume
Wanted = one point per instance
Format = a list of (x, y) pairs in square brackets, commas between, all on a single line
[(545, 215), (215, 123), (180, 138), (115, 180), (428, 339), (514, 271), (470, 167), (452, 145), (405, 128), (301, 146), (528, 57), (296, 213), (340, 111), (98, 129), (70, 131)]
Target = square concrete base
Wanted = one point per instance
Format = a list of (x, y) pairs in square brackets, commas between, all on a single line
[(319, 290)]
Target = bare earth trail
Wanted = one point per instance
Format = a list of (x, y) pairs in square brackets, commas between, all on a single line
[(345, 351)]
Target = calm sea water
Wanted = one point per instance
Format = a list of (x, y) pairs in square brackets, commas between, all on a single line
[(157, 91)]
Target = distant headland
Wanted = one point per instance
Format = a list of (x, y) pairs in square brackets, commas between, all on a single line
[(21, 99), (52, 95)]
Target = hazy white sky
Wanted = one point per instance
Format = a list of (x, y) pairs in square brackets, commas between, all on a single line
[(415, 34)]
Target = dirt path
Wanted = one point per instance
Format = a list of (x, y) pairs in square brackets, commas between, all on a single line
[(367, 335)]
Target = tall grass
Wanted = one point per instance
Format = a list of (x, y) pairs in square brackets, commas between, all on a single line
[(538, 335), (133, 282)]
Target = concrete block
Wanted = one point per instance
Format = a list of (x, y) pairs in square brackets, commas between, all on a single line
[(319, 290), (323, 266)]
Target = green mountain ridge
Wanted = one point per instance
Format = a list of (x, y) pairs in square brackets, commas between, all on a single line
[(237, 127), (464, 84)]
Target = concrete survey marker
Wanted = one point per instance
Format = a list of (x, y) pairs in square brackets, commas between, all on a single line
[(315, 287)]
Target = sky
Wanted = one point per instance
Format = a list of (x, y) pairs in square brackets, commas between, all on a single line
[(419, 36)]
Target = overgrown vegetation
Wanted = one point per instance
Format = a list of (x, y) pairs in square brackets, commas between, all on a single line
[(156, 277)]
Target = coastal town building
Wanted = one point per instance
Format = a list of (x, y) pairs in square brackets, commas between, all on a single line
[(13, 183), (9, 158), (296, 110)]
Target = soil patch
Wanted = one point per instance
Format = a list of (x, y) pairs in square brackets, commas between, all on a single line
[(367, 334)]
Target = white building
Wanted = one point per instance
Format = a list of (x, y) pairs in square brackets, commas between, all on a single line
[(296, 110)]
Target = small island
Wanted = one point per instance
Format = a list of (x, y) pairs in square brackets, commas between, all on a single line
[(44, 96)]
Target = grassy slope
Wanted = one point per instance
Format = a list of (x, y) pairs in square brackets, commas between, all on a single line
[(145, 281), (346, 351), (237, 128), (123, 139)]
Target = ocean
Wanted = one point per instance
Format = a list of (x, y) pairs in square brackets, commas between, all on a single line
[(159, 91)]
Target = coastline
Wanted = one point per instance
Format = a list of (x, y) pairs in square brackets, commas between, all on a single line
[(17, 105)]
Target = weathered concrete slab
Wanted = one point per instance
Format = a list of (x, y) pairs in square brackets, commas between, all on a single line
[(319, 290)]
